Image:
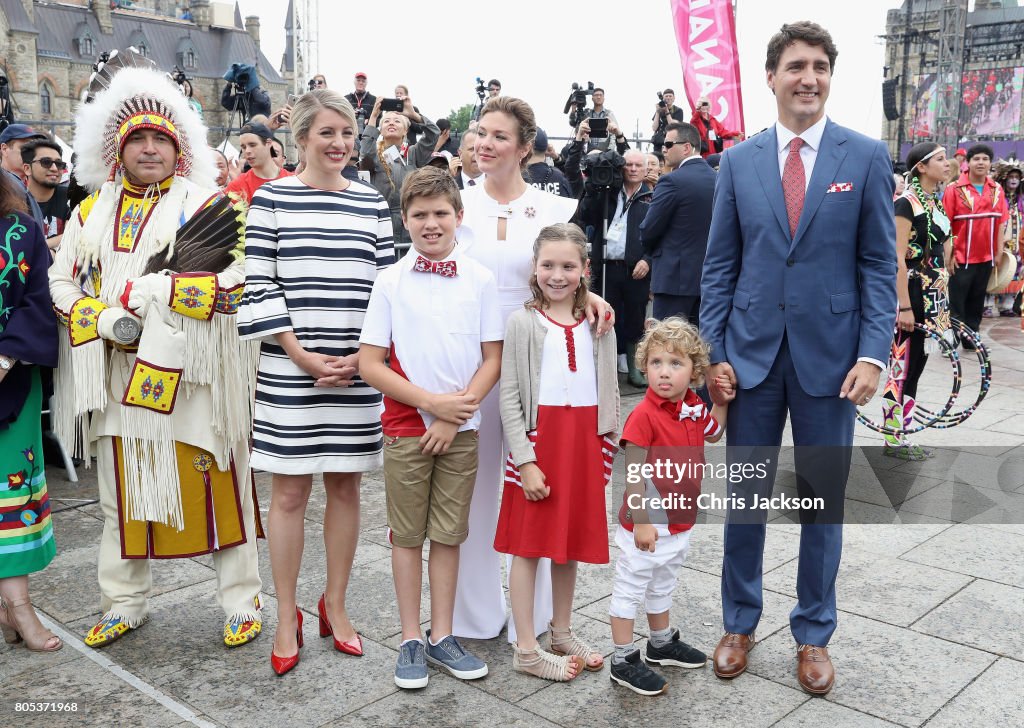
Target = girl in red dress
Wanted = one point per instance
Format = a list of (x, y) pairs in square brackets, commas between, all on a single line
[(559, 405)]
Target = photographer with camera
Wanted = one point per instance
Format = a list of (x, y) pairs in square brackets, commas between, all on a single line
[(362, 101), (615, 202), (384, 153), (575, 150), (577, 105), (242, 93), (712, 133), (665, 113), (675, 231)]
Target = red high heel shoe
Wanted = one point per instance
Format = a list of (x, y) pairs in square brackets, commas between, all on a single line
[(353, 646), (282, 665)]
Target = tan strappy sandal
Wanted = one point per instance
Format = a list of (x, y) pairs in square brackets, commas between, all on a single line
[(566, 642), (42, 640), (543, 664)]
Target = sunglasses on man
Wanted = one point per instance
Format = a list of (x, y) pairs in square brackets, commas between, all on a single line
[(47, 163), (669, 145)]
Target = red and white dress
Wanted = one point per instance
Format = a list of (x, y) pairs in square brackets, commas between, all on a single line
[(571, 523)]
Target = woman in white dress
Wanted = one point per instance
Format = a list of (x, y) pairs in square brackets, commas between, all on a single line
[(313, 246), (502, 219)]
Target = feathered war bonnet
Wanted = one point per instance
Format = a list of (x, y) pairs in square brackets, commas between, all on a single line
[(1003, 167), (127, 93)]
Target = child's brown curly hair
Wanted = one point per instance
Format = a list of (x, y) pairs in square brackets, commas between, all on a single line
[(678, 336)]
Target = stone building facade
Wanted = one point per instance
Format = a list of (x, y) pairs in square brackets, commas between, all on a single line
[(993, 71), (48, 48)]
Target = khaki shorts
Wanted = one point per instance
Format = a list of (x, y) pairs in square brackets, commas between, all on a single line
[(428, 496)]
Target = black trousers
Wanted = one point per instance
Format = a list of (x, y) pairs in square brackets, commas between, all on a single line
[(967, 293), (685, 307), (628, 298)]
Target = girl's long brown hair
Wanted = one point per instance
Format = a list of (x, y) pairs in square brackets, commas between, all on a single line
[(563, 231)]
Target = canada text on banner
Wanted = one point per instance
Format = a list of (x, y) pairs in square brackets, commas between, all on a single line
[(706, 32)]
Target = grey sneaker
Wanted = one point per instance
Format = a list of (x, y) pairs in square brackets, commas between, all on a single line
[(449, 655), (411, 668)]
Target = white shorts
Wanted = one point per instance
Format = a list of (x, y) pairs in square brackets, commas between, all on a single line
[(645, 578)]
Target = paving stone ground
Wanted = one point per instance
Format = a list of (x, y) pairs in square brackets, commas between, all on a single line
[(931, 599)]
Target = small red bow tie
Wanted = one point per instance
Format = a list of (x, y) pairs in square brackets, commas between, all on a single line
[(446, 268)]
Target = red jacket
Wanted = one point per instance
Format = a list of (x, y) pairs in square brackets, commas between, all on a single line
[(702, 128), (977, 219)]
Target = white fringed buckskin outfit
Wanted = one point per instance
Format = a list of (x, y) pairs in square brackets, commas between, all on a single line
[(169, 415)]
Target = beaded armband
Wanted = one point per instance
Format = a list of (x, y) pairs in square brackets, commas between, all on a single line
[(194, 295), (82, 319)]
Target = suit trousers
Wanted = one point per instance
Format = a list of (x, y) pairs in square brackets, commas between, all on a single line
[(967, 293), (823, 434), (628, 298)]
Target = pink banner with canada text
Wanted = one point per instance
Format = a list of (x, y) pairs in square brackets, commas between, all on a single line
[(706, 33)]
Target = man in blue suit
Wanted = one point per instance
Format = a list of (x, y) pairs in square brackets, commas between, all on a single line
[(798, 304), (675, 231)]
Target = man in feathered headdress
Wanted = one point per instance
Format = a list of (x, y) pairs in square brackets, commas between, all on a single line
[(1009, 173), (151, 370)]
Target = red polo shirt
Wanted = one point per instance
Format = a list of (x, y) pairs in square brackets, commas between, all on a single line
[(669, 432)]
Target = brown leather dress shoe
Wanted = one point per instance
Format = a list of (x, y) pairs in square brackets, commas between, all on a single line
[(731, 654), (814, 669)]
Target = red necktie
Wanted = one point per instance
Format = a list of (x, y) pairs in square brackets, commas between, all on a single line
[(446, 268), (793, 186)]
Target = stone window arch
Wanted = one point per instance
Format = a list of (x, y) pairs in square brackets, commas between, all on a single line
[(45, 99)]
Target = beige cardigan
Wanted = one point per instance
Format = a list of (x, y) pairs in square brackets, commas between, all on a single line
[(520, 382)]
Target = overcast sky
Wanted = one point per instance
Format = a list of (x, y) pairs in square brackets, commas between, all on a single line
[(537, 48)]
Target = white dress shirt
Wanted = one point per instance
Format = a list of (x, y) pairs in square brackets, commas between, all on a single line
[(808, 155), (808, 152)]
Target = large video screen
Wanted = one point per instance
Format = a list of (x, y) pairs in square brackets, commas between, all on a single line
[(990, 103)]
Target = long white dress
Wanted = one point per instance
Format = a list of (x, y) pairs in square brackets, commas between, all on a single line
[(480, 610)]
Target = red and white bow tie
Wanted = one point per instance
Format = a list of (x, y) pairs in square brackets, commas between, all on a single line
[(693, 413), (446, 268)]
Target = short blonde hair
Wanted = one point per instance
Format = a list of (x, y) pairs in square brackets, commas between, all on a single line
[(312, 103), (678, 336)]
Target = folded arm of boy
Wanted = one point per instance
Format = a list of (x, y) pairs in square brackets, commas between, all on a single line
[(450, 410)]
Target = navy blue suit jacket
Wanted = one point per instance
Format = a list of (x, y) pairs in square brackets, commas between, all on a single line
[(675, 231), (831, 289)]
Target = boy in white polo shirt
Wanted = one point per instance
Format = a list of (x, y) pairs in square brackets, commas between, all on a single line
[(431, 343)]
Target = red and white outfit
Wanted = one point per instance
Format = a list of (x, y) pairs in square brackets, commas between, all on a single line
[(977, 218), (674, 432), (480, 607), (433, 325), (568, 525)]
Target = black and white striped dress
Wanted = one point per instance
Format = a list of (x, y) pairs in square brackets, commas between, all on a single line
[(311, 257)]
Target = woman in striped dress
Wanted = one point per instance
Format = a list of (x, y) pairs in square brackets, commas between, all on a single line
[(28, 340), (314, 244)]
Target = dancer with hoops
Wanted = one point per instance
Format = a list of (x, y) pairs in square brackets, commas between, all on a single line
[(923, 250)]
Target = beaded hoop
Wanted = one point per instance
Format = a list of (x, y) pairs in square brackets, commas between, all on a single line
[(950, 353), (952, 419)]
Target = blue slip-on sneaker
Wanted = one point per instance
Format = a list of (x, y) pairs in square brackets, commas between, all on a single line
[(449, 655), (411, 668), (676, 653)]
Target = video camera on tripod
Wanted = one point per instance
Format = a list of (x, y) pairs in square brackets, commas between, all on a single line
[(243, 77), (603, 171), (576, 104)]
